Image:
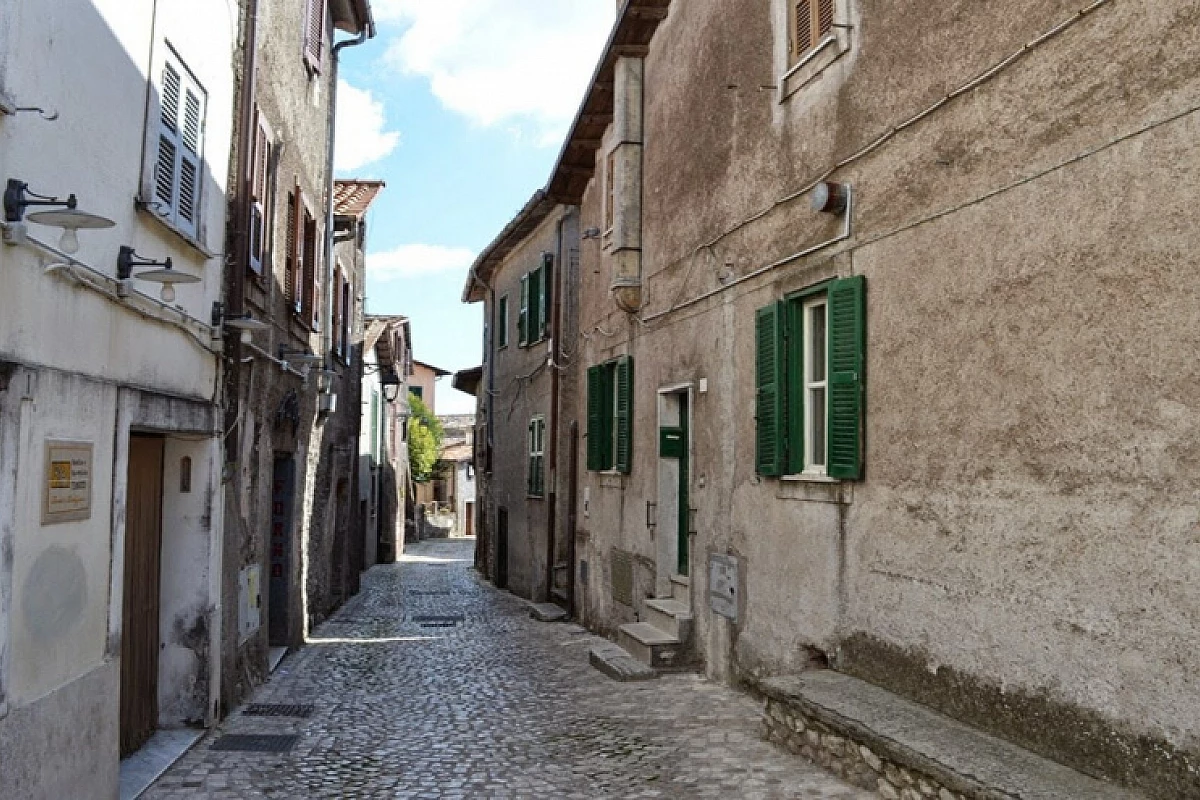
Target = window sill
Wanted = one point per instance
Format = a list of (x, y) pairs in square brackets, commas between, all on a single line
[(814, 62), (815, 489), (186, 238), (535, 497), (611, 479)]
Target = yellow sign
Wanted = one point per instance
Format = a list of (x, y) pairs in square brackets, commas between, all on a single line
[(67, 494)]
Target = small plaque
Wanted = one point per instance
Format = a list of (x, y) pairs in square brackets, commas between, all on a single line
[(723, 585), (67, 493)]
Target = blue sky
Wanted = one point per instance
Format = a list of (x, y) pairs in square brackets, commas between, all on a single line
[(461, 107)]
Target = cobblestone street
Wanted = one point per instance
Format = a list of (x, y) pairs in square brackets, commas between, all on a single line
[(407, 703)]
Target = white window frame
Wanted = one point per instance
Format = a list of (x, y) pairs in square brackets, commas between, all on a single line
[(812, 385), (188, 149)]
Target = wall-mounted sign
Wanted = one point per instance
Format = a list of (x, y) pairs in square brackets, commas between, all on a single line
[(67, 492)]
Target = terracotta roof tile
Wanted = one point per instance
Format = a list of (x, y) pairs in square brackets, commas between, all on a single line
[(351, 198)]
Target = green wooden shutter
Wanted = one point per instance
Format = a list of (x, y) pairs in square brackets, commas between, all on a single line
[(847, 361), (769, 381), (546, 283), (623, 414), (502, 323), (535, 306), (595, 418), (523, 314)]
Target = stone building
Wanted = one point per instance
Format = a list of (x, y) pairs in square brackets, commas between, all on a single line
[(384, 478), (883, 328), (525, 381), (293, 544), (110, 381), (424, 382)]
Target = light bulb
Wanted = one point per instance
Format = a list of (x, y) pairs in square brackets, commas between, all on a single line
[(69, 243), (168, 293)]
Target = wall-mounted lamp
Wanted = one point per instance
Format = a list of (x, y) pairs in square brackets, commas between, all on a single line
[(302, 357), (245, 323), (17, 198), (391, 386), (830, 198), (127, 259)]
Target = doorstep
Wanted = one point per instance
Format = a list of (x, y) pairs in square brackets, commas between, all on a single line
[(154, 758), (880, 741)]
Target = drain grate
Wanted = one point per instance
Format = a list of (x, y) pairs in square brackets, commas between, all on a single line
[(278, 710), (438, 619), (429, 593), (256, 743), (439, 624)]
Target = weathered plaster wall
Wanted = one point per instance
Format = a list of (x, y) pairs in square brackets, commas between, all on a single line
[(1022, 535), (522, 391)]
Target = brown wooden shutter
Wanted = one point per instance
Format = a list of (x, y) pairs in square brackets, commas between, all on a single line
[(824, 24), (812, 21), (314, 34), (308, 259), (292, 255)]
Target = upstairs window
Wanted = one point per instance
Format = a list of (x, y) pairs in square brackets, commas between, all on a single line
[(260, 222), (533, 316), (810, 357), (537, 458), (610, 416), (302, 260), (314, 34), (172, 184), (502, 322), (810, 22)]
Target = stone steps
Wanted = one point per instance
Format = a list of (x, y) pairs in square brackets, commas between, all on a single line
[(670, 615), (883, 742), (650, 645)]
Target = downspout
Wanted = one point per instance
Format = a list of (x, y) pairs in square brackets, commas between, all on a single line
[(556, 275), (367, 32)]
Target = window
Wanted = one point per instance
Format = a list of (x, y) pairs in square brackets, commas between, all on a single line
[(533, 316), (610, 415), (502, 322), (809, 381), (260, 224), (810, 21), (347, 319), (537, 459), (172, 184), (314, 34), (338, 322), (417, 391)]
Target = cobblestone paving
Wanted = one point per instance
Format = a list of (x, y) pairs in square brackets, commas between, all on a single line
[(498, 706)]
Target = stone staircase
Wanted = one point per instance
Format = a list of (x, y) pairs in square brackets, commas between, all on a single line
[(659, 643)]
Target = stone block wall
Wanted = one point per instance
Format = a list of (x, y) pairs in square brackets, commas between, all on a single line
[(853, 761)]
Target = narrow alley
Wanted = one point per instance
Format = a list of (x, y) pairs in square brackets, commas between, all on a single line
[(432, 684)]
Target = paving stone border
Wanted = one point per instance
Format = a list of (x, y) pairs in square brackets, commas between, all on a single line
[(850, 760)]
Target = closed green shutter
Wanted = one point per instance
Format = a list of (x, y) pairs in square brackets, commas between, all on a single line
[(547, 283), (535, 306), (595, 418), (502, 323), (847, 361), (768, 383), (624, 414), (523, 313)]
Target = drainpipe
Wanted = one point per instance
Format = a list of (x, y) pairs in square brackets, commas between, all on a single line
[(556, 274), (367, 32)]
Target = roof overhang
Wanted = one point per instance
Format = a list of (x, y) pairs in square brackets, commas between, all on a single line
[(353, 16), (468, 380), (524, 223), (635, 27)]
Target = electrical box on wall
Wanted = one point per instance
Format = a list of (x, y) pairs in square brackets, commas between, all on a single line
[(327, 403)]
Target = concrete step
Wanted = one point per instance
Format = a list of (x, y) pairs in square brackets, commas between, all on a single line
[(617, 664), (670, 615), (681, 588), (651, 646), (883, 742)]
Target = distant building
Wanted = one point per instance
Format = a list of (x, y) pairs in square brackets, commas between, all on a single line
[(424, 383), (384, 487)]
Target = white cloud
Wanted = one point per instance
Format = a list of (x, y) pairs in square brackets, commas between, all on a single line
[(360, 138), (410, 260), (502, 61)]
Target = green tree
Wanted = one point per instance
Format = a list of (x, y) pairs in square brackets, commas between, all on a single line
[(424, 439)]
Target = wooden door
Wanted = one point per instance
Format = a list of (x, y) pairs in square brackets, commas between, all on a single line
[(470, 515), (140, 607)]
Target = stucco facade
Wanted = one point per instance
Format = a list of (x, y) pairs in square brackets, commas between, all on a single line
[(1016, 549), (102, 366), (294, 544)]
